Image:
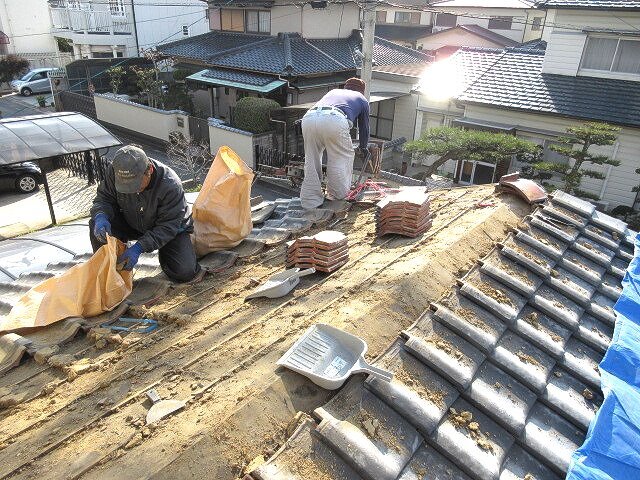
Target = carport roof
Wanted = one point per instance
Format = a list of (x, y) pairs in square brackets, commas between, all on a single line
[(44, 136)]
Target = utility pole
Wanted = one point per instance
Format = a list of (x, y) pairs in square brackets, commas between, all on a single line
[(367, 44)]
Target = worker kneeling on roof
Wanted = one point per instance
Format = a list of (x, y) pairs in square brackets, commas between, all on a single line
[(326, 126), (142, 199)]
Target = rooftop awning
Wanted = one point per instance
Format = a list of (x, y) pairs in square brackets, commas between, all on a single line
[(484, 125), (44, 136), (254, 82), (382, 96)]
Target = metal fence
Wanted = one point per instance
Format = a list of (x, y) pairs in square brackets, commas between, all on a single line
[(269, 160), (74, 102), (88, 165)]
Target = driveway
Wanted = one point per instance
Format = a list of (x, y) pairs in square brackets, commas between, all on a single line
[(14, 105)]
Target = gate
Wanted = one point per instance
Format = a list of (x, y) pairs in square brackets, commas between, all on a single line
[(272, 161), (199, 129)]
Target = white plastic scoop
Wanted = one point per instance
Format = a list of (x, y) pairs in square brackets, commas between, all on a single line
[(281, 283), (328, 356)]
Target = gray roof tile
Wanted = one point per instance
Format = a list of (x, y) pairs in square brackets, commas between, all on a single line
[(595, 4), (286, 54), (524, 380), (516, 81)]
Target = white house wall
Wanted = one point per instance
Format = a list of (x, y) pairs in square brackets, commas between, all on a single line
[(28, 25), (425, 17), (161, 21), (567, 40), (621, 179), (404, 118), (335, 21)]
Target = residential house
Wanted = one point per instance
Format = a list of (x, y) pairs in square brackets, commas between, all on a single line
[(294, 61), (590, 71), (444, 43), (444, 25), (514, 19), (25, 29), (122, 28)]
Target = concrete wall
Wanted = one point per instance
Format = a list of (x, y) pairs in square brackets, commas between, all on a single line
[(404, 117), (564, 51), (28, 26), (157, 22), (239, 140), (144, 120), (335, 21)]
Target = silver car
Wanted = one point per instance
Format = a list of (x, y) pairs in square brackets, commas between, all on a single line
[(34, 81)]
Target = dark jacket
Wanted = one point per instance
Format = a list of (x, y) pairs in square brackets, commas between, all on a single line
[(158, 213)]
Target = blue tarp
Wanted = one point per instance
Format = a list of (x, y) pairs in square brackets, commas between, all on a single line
[(611, 450)]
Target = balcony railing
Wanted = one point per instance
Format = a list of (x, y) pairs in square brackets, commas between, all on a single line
[(100, 22)]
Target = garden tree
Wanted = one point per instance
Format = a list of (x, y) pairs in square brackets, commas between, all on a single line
[(252, 114), (575, 146), (115, 78), (148, 83), (11, 66), (451, 143), (64, 45), (189, 155)]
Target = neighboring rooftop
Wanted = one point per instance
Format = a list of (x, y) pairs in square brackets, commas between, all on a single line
[(484, 3), (516, 81), (591, 4), (287, 54), (479, 31), (407, 33)]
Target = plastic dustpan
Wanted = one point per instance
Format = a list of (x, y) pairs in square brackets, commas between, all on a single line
[(281, 283), (328, 356)]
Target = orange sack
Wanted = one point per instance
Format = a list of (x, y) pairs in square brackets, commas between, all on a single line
[(222, 211), (85, 290)]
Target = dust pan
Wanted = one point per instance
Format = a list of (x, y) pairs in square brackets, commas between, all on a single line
[(281, 283), (328, 356), (161, 408)]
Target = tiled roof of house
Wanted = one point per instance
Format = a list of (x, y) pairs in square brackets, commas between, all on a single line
[(239, 77), (408, 69), (483, 3), (596, 4), (408, 33), (516, 81), (287, 54), (499, 380), (488, 35)]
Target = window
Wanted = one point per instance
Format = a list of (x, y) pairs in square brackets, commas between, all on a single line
[(381, 119), (536, 25), (214, 19), (381, 16), (446, 20), (116, 7), (402, 17), (258, 21), (612, 55), (185, 30), (232, 20), (500, 23)]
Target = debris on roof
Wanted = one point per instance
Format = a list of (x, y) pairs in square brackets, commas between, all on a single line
[(499, 378), (527, 189)]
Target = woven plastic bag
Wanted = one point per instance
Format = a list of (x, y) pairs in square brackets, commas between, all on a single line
[(85, 290), (222, 211)]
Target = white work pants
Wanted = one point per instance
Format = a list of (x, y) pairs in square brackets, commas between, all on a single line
[(326, 130)]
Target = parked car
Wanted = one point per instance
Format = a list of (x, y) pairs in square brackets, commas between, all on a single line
[(34, 81), (24, 177)]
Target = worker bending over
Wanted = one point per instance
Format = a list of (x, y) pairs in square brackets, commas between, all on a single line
[(326, 126), (141, 199)]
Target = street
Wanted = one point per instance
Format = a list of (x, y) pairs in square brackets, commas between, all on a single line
[(15, 105)]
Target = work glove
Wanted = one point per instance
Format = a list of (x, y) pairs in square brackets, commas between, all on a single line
[(101, 227), (129, 257)]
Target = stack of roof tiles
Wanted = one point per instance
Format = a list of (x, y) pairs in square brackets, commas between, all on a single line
[(498, 380), (325, 251), (404, 213)]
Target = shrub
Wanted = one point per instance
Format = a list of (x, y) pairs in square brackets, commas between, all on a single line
[(252, 114), (11, 66)]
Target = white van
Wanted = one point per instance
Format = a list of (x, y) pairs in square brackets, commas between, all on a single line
[(34, 81)]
